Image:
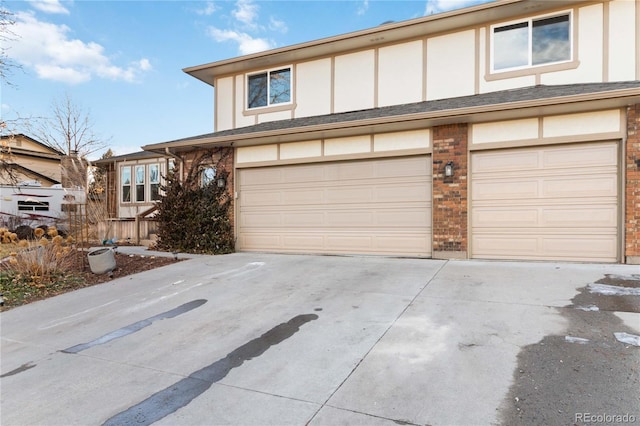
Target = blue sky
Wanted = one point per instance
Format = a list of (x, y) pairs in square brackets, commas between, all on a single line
[(121, 61)]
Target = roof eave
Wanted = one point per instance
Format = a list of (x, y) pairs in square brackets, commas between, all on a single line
[(384, 34)]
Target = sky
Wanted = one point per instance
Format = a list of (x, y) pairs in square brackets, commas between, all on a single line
[(120, 62)]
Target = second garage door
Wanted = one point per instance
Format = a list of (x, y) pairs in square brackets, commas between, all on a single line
[(380, 206), (547, 203)]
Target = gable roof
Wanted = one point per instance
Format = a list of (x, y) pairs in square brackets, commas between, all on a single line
[(140, 155), (506, 104), (50, 151)]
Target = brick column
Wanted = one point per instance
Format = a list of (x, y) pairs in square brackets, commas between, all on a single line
[(450, 193), (632, 179)]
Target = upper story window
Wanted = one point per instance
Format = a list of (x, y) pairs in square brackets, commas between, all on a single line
[(532, 42), (269, 88)]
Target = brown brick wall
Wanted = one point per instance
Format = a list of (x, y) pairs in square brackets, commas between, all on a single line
[(450, 193), (632, 176)]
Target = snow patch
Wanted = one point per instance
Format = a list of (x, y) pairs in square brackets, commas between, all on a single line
[(572, 339), (613, 290), (629, 339), (588, 308)]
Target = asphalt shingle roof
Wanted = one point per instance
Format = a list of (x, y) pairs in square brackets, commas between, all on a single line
[(532, 93)]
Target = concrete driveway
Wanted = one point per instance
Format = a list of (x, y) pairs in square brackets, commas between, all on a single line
[(255, 339)]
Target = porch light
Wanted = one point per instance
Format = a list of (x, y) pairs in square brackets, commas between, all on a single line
[(221, 182), (448, 169)]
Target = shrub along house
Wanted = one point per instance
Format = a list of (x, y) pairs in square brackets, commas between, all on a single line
[(508, 130)]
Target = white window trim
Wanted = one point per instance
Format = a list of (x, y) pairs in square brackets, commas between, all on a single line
[(530, 40), (145, 180), (122, 200), (147, 183), (150, 182), (268, 72)]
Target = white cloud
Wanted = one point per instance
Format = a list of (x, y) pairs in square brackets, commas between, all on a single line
[(209, 9), (246, 12), (277, 25), (363, 7), (246, 43), (439, 6), (49, 6), (49, 50), (144, 64)]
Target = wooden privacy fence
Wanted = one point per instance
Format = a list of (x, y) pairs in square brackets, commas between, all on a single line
[(133, 230)]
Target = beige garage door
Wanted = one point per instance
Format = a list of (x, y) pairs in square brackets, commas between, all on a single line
[(547, 203), (378, 206)]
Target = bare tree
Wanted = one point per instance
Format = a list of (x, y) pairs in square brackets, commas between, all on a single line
[(7, 172), (69, 129), (6, 35)]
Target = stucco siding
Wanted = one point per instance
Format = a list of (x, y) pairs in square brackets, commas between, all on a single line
[(224, 108), (242, 120), (581, 124), (354, 81), (257, 153), (505, 131), (401, 140), (623, 44), (350, 145), (400, 69), (313, 88), (451, 65), (305, 149)]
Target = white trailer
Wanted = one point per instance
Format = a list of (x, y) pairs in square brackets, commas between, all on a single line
[(29, 203)]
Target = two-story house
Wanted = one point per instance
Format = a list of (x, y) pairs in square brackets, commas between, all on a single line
[(508, 130)]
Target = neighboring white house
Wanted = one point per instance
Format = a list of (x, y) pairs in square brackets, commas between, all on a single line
[(506, 130)]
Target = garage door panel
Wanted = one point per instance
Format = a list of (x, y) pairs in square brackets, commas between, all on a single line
[(404, 168), (357, 194), (580, 186), (563, 207), (491, 217), (301, 174), (505, 189), (405, 218), (541, 217), (262, 177), (500, 162), (587, 217), (380, 206), (597, 248), (565, 158), (492, 246), (262, 198), (309, 196)]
